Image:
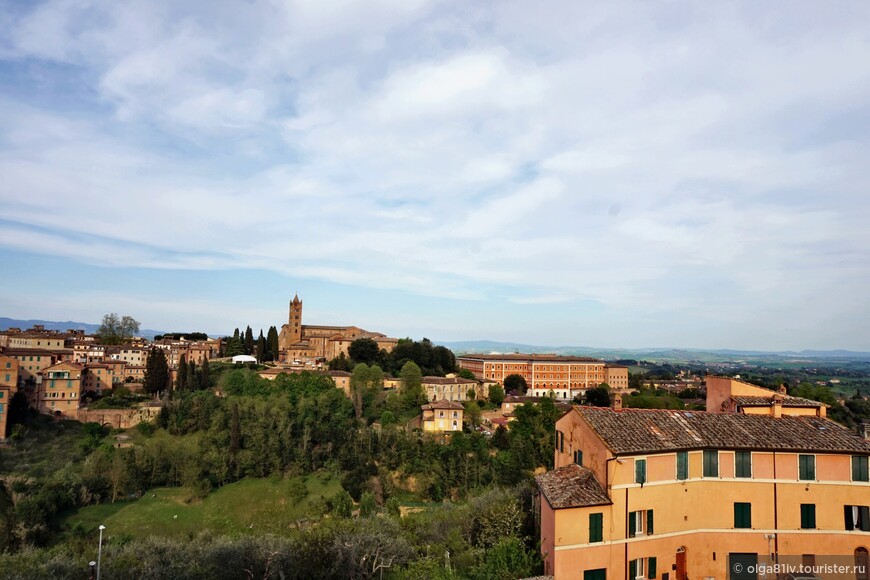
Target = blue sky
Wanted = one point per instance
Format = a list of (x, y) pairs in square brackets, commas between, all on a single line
[(620, 174)]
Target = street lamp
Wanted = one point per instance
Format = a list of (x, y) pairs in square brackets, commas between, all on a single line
[(100, 551), (92, 564)]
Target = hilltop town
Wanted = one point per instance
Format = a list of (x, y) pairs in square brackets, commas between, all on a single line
[(568, 464)]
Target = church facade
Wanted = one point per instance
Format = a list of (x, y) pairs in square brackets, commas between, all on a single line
[(312, 343)]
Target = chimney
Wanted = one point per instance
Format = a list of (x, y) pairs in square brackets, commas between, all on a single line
[(864, 430), (776, 408), (782, 390), (617, 402)]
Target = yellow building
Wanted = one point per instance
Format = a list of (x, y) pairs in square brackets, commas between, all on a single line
[(441, 416), (677, 494)]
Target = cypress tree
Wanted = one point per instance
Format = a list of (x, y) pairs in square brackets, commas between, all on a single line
[(204, 375), (156, 371), (181, 376), (249, 341), (261, 347), (191, 377), (272, 343)]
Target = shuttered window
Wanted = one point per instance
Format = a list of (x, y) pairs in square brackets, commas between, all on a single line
[(808, 516), (807, 467), (682, 465), (711, 463), (742, 515), (596, 527), (743, 464)]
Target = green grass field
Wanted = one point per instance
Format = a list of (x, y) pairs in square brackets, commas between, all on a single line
[(250, 506)]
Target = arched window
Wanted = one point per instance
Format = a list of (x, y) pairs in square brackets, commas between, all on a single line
[(862, 561)]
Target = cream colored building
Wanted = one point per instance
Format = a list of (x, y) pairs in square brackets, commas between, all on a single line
[(442, 416)]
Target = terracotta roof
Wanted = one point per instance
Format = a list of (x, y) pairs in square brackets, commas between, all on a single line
[(339, 374), (572, 486), (787, 401), (555, 358), (631, 431), (443, 405)]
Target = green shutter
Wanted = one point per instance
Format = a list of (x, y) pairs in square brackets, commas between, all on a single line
[(651, 567), (649, 521), (632, 569), (807, 467), (808, 516), (742, 515), (682, 465), (632, 527), (596, 527), (640, 470), (743, 460), (711, 463), (860, 468)]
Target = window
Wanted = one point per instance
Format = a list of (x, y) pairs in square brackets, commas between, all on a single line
[(642, 568), (808, 516), (640, 523), (640, 471), (857, 517), (859, 468), (743, 464), (682, 465), (742, 515), (596, 527), (578, 457), (807, 467), (711, 463)]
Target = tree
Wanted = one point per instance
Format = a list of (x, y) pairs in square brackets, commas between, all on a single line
[(466, 374), (204, 375), (249, 341), (367, 505), (181, 376), (156, 371), (599, 396), (496, 394), (272, 343), (115, 330), (342, 504), (515, 384), (412, 384), (261, 347), (191, 381), (364, 350), (340, 363), (472, 413)]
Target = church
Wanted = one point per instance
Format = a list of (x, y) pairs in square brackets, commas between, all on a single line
[(312, 343)]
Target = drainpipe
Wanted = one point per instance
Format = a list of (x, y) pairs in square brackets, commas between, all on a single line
[(625, 557), (775, 516)]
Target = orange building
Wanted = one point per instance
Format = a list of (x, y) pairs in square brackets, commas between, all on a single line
[(60, 391), (8, 387), (676, 494), (727, 395), (565, 376)]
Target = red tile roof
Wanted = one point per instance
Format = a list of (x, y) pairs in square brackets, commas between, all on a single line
[(572, 486)]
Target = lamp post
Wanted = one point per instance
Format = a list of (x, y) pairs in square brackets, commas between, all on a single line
[(92, 564), (100, 551)]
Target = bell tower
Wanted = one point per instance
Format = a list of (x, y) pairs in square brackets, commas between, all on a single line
[(295, 323)]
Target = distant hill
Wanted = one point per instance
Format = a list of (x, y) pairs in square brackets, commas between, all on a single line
[(6, 323), (658, 354)]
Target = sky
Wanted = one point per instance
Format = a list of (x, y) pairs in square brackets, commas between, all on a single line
[(610, 174)]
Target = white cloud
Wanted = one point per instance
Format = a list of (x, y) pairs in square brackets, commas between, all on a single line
[(676, 159)]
